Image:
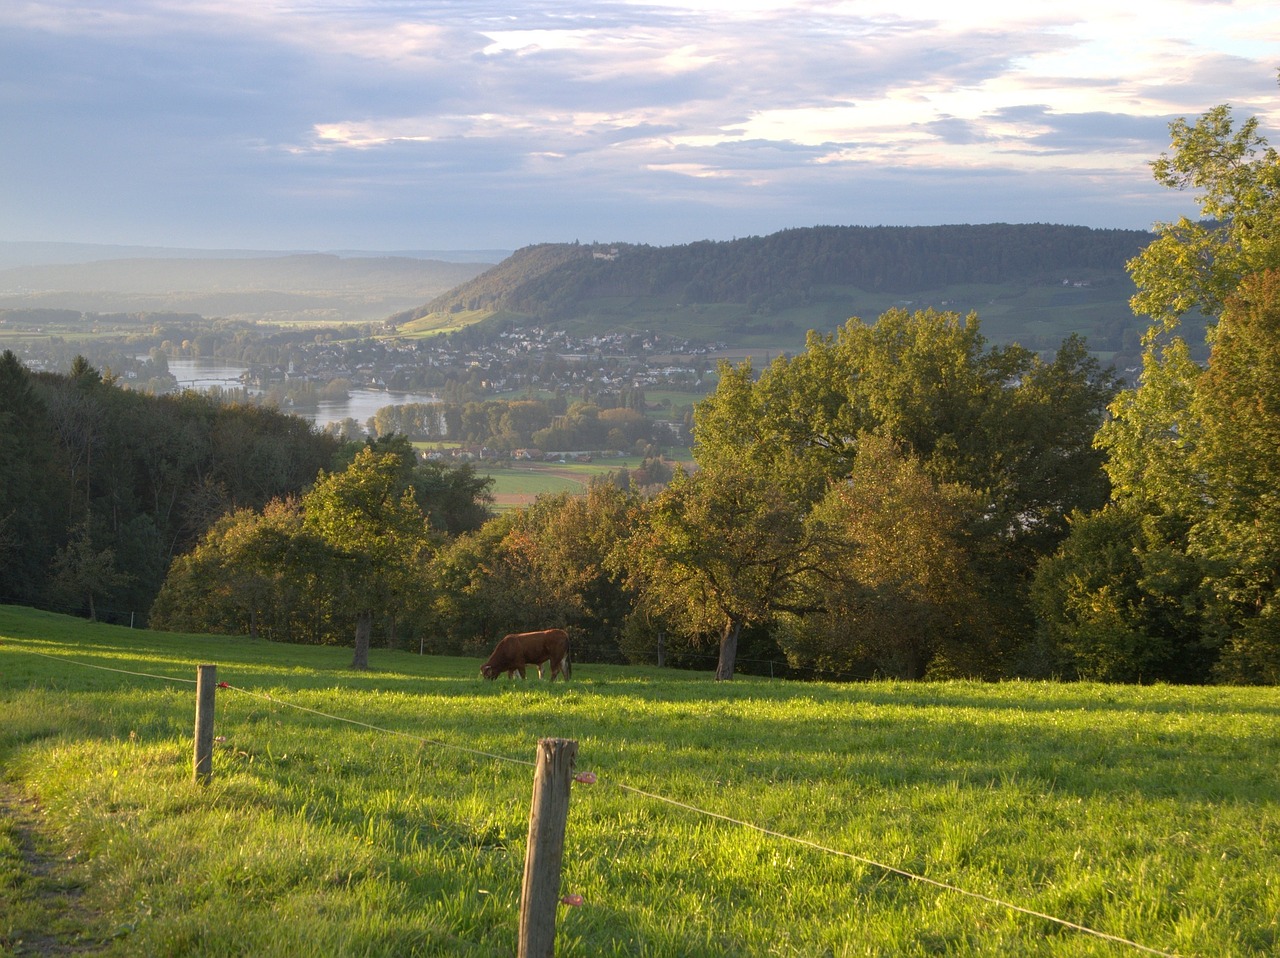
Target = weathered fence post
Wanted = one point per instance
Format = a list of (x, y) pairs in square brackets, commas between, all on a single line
[(541, 892), (206, 686)]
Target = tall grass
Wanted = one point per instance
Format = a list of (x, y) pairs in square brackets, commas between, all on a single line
[(1150, 814)]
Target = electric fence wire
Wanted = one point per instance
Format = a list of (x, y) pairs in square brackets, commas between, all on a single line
[(653, 796)]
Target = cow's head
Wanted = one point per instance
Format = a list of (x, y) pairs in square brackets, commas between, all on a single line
[(489, 671)]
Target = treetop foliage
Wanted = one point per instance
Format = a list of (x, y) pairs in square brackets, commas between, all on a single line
[(1195, 266)]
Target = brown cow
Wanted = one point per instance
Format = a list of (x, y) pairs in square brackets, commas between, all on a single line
[(519, 649)]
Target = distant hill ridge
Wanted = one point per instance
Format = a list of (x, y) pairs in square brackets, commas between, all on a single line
[(298, 287), (786, 269), (291, 272)]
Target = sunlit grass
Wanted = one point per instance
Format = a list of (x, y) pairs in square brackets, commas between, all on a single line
[(1147, 813)]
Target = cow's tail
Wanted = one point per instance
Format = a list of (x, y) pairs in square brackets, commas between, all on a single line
[(565, 668)]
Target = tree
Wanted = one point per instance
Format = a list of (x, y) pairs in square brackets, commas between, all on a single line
[(719, 549), (895, 584), (82, 572), (998, 419), (1001, 421), (454, 498), (255, 573), (1120, 600), (1237, 533), (547, 564), (30, 492), (1190, 452), (378, 535), (479, 586)]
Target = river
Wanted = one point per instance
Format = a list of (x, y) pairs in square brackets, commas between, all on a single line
[(361, 403)]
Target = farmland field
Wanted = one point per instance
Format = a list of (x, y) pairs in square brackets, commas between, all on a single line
[(386, 812), (517, 484), (520, 485)]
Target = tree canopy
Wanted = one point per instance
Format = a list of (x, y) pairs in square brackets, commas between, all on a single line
[(1176, 578), (107, 486)]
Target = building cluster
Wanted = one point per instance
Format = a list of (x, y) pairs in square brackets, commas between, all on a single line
[(516, 359)]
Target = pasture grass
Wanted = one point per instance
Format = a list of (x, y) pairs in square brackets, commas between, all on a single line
[(1151, 814), (535, 478)]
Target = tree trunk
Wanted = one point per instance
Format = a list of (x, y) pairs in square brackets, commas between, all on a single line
[(728, 650), (364, 629)]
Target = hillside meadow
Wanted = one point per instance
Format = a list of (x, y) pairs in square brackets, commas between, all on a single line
[(386, 812)]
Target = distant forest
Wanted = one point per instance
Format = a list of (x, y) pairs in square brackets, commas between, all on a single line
[(101, 487), (788, 268)]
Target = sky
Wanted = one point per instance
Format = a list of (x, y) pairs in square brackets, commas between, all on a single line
[(471, 124)]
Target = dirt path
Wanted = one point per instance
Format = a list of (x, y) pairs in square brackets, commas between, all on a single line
[(42, 895)]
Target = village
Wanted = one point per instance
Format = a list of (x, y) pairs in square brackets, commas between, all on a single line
[(515, 360)]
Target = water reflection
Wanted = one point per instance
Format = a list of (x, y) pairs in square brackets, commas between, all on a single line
[(360, 405)]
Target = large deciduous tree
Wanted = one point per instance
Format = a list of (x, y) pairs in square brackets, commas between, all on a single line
[(1237, 535), (994, 418), (379, 537), (719, 549), (252, 572), (1120, 600), (1197, 265), (898, 585), (546, 565), (1192, 452), (1000, 421)]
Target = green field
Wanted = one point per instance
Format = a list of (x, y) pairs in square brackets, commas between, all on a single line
[(744, 818), (518, 483)]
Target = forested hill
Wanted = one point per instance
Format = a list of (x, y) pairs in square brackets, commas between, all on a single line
[(790, 269)]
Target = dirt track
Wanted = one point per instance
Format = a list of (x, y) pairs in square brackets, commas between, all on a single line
[(49, 878)]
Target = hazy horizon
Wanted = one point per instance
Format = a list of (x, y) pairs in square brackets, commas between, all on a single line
[(366, 125)]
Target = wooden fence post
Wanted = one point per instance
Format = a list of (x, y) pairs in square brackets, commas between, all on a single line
[(206, 685), (547, 818)]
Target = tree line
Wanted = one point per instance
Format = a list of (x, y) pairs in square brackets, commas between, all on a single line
[(506, 425), (901, 498), (873, 506), (102, 488)]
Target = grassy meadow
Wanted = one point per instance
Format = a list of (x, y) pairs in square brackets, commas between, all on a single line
[(741, 818), (517, 484)]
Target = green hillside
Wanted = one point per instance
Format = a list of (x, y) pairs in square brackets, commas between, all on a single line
[(1035, 283)]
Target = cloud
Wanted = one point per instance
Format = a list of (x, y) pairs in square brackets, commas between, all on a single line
[(401, 123)]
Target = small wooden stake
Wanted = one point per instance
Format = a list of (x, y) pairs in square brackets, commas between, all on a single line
[(206, 685), (547, 818)]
